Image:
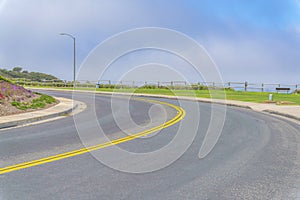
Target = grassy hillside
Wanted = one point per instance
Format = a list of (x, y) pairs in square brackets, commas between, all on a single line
[(18, 72)]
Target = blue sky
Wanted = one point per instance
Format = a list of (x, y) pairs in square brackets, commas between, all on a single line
[(253, 40)]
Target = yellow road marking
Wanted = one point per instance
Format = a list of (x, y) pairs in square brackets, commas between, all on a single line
[(180, 115)]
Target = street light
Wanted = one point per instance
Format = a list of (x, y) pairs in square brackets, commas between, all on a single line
[(74, 70)]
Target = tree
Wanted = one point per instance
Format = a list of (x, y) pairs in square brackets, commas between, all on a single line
[(17, 69)]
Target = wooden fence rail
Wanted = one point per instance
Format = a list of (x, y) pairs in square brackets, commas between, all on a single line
[(240, 86)]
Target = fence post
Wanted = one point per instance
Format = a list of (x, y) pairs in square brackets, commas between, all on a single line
[(229, 85), (262, 87), (246, 85), (157, 84)]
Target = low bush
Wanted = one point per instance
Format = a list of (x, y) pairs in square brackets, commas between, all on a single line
[(149, 86), (40, 102), (229, 89)]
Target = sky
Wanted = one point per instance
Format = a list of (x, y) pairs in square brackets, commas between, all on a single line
[(249, 40)]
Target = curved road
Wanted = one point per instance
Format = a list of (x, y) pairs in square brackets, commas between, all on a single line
[(256, 157)]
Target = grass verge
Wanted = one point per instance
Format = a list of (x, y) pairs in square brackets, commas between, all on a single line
[(257, 97)]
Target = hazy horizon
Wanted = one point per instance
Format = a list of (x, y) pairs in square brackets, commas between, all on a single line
[(255, 41)]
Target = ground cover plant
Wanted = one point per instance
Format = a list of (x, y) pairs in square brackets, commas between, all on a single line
[(16, 99)]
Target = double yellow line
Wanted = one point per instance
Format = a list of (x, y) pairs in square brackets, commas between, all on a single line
[(180, 115)]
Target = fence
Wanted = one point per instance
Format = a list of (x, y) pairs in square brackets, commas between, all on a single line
[(239, 86)]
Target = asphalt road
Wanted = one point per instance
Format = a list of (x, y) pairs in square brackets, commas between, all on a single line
[(256, 157)]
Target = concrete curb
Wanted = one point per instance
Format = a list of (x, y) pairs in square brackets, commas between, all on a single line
[(65, 106), (282, 114), (220, 102), (258, 107)]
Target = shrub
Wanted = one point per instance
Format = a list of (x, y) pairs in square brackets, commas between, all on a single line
[(40, 102), (229, 89), (45, 98), (37, 104), (148, 87), (199, 87), (19, 105)]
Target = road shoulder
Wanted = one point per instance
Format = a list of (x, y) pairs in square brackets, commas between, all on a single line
[(64, 107), (290, 112)]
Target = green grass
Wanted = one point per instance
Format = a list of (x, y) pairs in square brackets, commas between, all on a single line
[(258, 97), (5, 79)]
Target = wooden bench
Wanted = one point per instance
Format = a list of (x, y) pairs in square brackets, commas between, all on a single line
[(283, 89)]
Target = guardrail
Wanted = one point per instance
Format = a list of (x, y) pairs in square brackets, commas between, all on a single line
[(240, 86)]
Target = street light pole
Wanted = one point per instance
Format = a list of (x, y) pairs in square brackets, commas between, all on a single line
[(74, 70)]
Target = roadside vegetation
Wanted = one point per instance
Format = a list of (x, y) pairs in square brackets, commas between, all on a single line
[(40, 102), (257, 97), (16, 99), (18, 72)]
